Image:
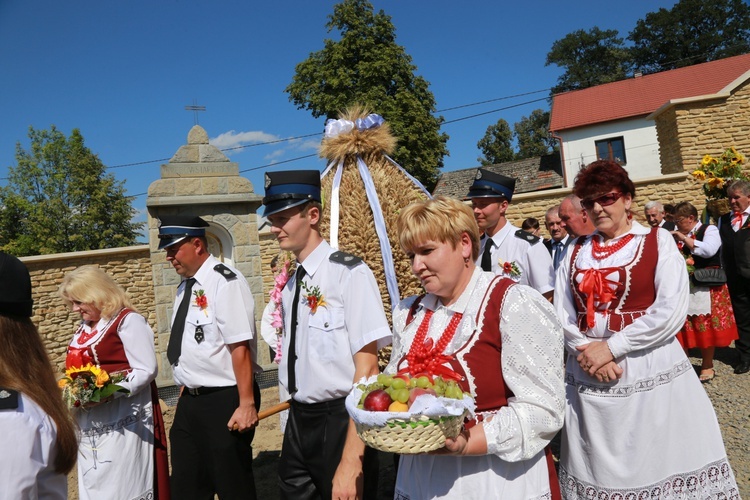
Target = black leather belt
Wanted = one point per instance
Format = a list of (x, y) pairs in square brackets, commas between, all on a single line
[(202, 391), (334, 404)]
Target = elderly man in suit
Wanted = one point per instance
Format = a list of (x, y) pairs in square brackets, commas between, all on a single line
[(734, 228), (654, 212)]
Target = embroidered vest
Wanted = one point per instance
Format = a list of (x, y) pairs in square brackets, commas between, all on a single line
[(490, 390), (703, 262), (634, 286), (106, 351)]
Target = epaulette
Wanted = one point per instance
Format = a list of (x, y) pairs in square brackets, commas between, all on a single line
[(524, 235), (225, 271), (8, 399), (347, 259)]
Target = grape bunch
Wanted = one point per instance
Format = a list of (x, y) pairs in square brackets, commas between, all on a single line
[(396, 393)]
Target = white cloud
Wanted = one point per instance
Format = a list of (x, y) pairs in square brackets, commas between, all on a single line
[(275, 154), (234, 139)]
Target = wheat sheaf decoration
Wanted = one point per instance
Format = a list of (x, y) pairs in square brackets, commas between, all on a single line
[(363, 191)]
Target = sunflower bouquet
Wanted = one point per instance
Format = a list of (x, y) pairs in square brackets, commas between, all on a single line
[(89, 384), (717, 173)]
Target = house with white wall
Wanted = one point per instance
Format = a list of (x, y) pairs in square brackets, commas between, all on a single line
[(616, 120)]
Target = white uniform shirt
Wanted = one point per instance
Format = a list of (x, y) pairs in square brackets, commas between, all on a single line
[(327, 340), (534, 260), (27, 467), (227, 319)]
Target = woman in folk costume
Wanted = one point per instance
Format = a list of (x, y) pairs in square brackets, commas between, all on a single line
[(501, 340), (710, 320), (123, 451), (637, 421)]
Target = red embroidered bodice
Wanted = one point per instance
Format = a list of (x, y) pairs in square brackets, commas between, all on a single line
[(490, 390), (623, 293), (106, 350)]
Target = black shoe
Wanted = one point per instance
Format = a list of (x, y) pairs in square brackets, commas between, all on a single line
[(743, 367)]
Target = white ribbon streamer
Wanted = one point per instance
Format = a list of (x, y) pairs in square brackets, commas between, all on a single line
[(385, 245), (335, 206), (411, 178)]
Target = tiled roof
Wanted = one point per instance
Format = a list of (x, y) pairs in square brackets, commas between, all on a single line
[(642, 95), (531, 174)]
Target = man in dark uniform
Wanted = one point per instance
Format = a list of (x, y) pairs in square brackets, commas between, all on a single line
[(333, 326), (212, 350)]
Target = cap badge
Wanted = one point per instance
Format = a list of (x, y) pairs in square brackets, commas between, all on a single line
[(479, 174), (268, 181), (4, 394)]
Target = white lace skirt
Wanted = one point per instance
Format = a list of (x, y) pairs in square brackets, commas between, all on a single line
[(653, 432), (429, 476), (116, 452)]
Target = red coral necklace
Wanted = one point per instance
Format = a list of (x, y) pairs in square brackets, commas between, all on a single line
[(600, 251), (424, 357)]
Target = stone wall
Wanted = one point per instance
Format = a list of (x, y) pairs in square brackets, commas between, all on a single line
[(129, 266), (690, 130)]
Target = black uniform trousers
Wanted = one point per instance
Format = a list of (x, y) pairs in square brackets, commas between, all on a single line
[(207, 458), (313, 444)]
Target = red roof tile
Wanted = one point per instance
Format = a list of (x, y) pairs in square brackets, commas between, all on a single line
[(643, 95)]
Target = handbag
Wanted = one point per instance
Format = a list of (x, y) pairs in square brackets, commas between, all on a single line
[(709, 277)]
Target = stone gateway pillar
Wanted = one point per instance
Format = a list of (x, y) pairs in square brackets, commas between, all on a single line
[(200, 180)]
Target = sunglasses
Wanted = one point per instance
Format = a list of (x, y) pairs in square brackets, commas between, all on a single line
[(604, 200)]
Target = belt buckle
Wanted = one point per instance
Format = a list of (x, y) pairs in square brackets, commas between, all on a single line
[(194, 392)]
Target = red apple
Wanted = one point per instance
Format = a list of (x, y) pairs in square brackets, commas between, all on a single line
[(377, 400), (418, 391)]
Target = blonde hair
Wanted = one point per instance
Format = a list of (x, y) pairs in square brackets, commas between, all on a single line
[(91, 285), (440, 219)]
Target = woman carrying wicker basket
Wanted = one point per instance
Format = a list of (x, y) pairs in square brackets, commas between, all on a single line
[(500, 340)]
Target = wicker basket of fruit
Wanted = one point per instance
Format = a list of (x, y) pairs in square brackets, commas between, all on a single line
[(399, 414)]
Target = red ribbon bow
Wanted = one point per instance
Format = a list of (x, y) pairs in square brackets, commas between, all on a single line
[(737, 219), (594, 287)]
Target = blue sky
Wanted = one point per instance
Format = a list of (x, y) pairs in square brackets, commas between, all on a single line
[(123, 71)]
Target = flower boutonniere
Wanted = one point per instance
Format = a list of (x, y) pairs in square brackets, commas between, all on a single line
[(201, 300), (510, 269), (314, 297)]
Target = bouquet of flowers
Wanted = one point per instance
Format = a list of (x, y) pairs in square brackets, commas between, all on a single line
[(89, 384), (717, 173)]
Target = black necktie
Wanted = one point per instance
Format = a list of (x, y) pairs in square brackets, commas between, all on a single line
[(291, 378), (487, 255), (557, 254), (178, 326)]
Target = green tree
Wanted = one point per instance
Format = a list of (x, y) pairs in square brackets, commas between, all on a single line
[(532, 135), (691, 32), (496, 144), (59, 199), (589, 58), (367, 66)]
